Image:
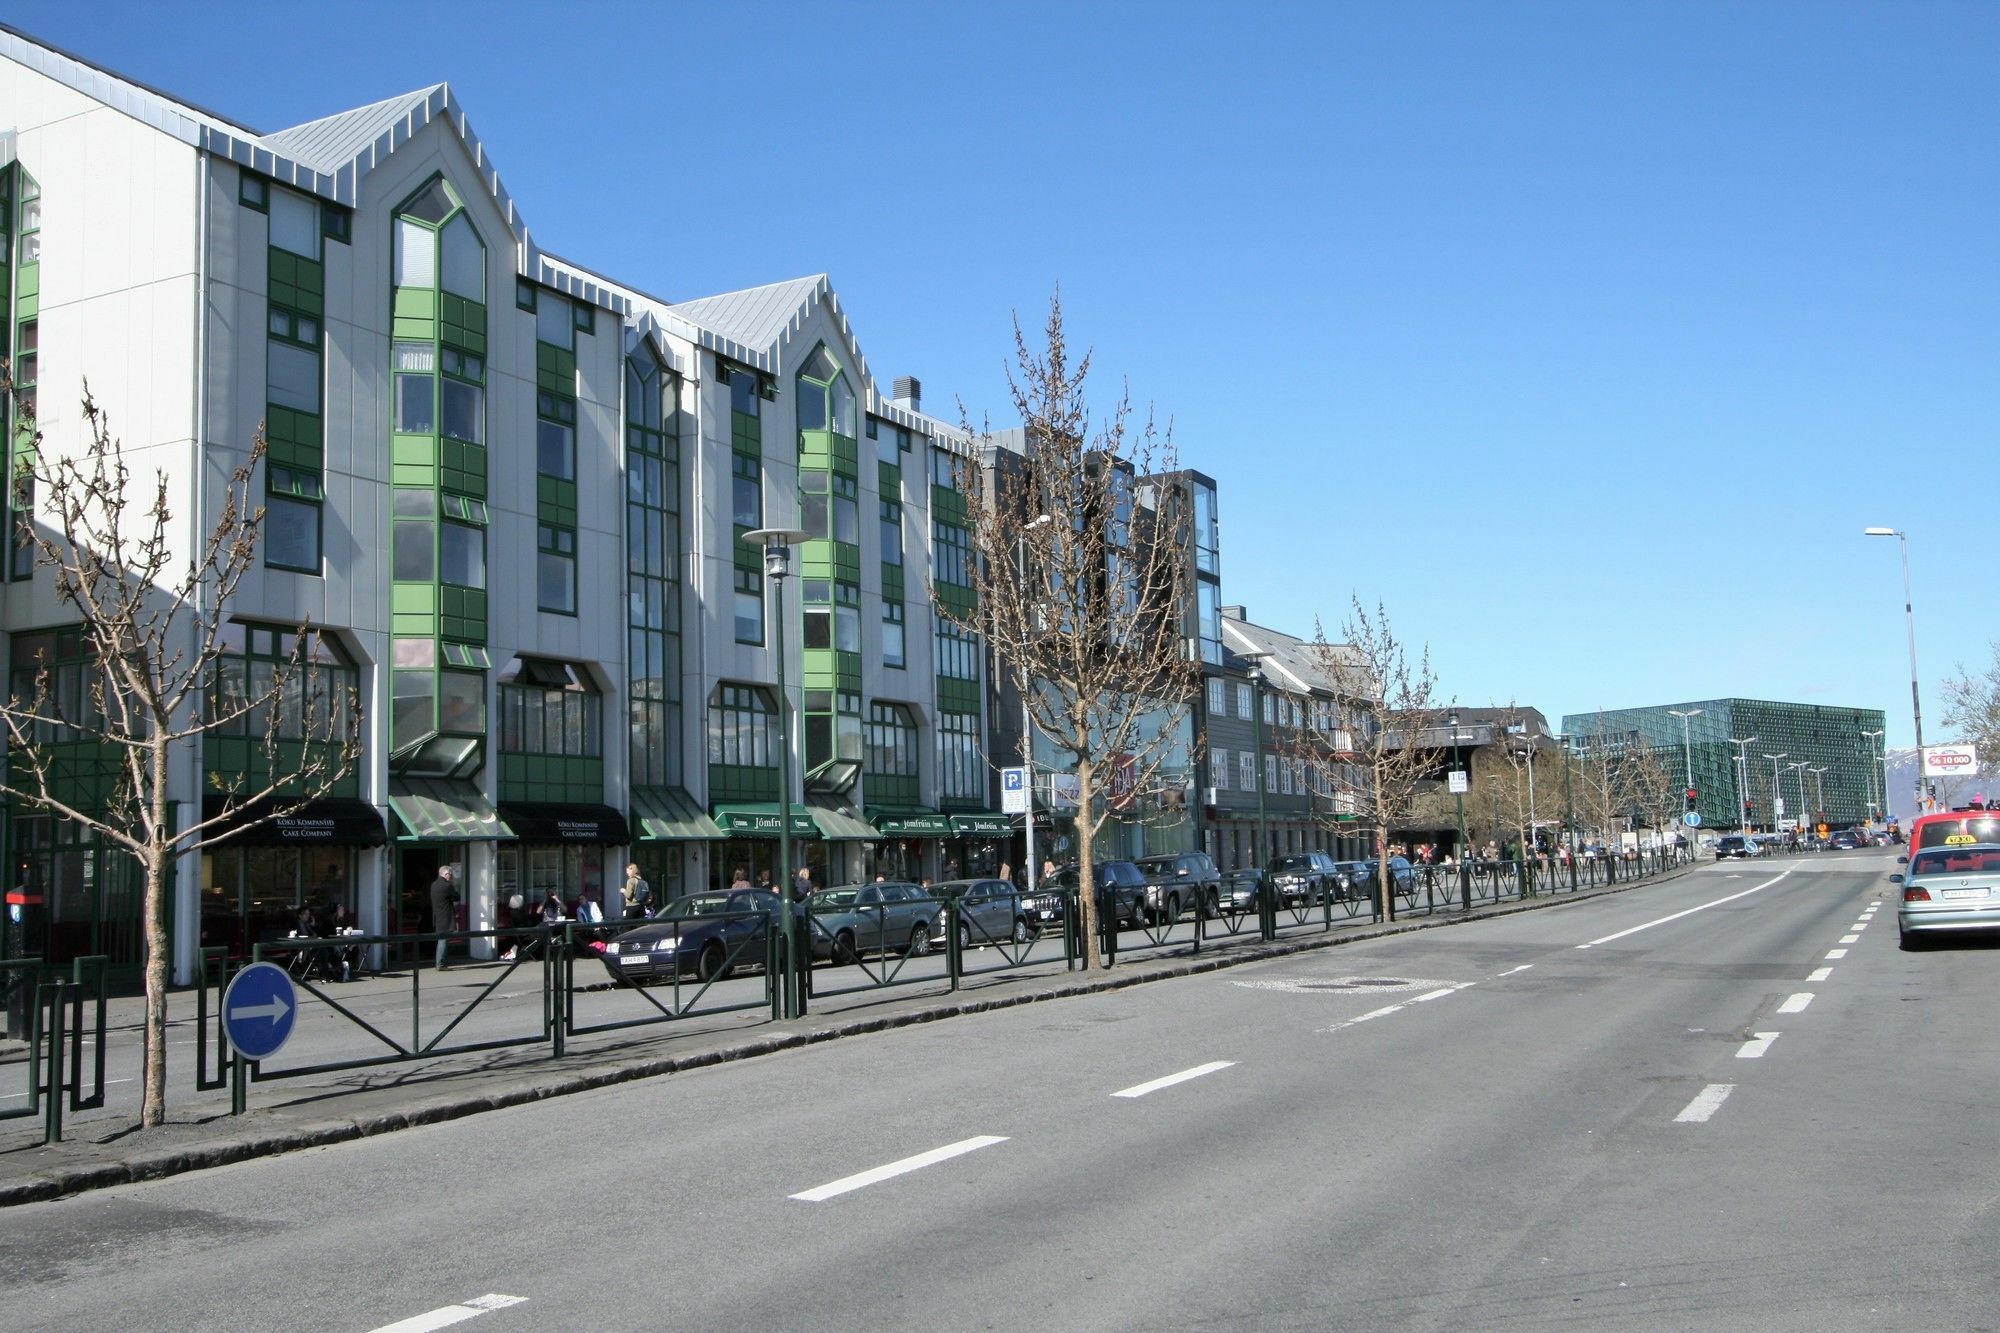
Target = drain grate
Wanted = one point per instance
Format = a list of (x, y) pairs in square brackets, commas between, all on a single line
[(1341, 985)]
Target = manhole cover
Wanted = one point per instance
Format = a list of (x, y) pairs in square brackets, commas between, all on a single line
[(1341, 985)]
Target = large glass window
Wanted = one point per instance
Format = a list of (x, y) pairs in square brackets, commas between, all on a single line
[(961, 771), (549, 708), (416, 387), (746, 490), (846, 510), (742, 727), (1207, 531), (416, 254), (462, 701), (462, 555), (555, 324), (749, 606), (555, 581), (291, 533), (462, 410), (292, 374), (744, 395), (463, 270), (652, 509), (957, 651), (1208, 598), (814, 489), (415, 707), (890, 515), (555, 436), (944, 469), (825, 399), (312, 698), (891, 741), (893, 652), (294, 222), (951, 554)]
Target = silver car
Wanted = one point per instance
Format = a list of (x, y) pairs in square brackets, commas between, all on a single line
[(990, 911), (883, 918), (1949, 889)]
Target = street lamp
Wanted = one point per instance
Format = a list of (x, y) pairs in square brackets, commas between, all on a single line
[(1819, 792), (1459, 782), (1255, 671), (1874, 802), (1687, 745), (1742, 779), (1910, 625), (1799, 769), (1777, 796), (778, 544), (1027, 720)]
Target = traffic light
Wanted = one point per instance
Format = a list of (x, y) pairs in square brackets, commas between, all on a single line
[(1690, 798), (1746, 806)]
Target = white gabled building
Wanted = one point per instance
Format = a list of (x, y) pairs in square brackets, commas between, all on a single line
[(511, 489)]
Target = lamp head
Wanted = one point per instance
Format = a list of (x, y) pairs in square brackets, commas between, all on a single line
[(1880, 532)]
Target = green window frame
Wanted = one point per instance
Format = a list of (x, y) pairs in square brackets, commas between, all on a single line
[(549, 709), (892, 737), (895, 648), (742, 726), (749, 606), (555, 569)]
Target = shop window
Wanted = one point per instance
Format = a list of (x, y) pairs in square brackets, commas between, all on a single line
[(742, 726)]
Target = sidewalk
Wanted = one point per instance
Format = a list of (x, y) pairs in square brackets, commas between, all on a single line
[(104, 1148)]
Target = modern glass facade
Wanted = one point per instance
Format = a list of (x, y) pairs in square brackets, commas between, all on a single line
[(1832, 740)]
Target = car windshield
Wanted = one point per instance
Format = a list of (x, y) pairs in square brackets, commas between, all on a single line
[(1292, 863), (1062, 879), (1157, 865), (1955, 861), (703, 904), (836, 898)]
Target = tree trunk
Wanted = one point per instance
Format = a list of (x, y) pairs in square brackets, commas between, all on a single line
[(153, 1101), (1086, 870)]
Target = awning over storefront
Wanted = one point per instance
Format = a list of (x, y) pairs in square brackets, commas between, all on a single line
[(668, 814), (549, 822), (444, 810), (761, 821), (840, 823), (982, 825), (901, 821), (339, 821)]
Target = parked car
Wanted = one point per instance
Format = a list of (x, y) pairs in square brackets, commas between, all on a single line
[(1303, 879), (847, 922), (1846, 840), (1183, 879), (704, 935), (989, 911), (1348, 879), (1734, 847), (1122, 892), (1402, 876), (1949, 889), (1239, 891)]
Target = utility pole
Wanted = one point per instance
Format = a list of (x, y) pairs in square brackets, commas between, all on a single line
[(1875, 802), (1742, 744), (1777, 797), (1687, 745)]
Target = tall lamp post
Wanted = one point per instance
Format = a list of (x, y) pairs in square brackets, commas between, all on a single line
[(1687, 744), (1819, 792), (1027, 720), (778, 544), (1742, 744), (1458, 798), (1777, 797), (1799, 770), (1256, 673), (1910, 626), (1875, 803)]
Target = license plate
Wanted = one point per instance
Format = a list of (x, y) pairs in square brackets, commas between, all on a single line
[(634, 960), (1964, 893)]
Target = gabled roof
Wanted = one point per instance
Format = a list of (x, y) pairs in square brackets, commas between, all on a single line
[(1295, 663), (325, 157)]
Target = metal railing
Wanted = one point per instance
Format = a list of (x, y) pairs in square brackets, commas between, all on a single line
[(59, 1011)]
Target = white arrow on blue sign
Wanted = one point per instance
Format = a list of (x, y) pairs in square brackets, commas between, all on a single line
[(1692, 819), (258, 1011)]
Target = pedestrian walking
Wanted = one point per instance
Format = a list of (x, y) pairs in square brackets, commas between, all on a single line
[(444, 908), (638, 894)]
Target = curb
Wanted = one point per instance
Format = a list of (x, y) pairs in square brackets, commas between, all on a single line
[(330, 1130)]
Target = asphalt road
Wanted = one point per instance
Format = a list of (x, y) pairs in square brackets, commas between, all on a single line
[(1700, 1104)]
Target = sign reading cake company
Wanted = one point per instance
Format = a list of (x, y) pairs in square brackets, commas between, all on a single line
[(1950, 761)]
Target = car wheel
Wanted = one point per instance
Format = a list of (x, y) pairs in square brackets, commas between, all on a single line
[(843, 948), (920, 941), (1173, 909), (710, 966), (964, 936), (1021, 932)]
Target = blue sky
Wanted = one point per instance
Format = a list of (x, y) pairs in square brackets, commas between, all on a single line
[(1586, 338)]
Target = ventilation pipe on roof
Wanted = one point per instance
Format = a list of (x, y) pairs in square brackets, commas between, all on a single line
[(908, 392)]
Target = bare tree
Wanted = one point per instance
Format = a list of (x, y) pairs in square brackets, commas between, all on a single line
[(1972, 706), (1079, 580), (1652, 785), (151, 616), (1377, 770)]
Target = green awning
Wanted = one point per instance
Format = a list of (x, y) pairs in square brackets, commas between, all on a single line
[(761, 821), (908, 821), (991, 825), (840, 823), (444, 810), (668, 814)]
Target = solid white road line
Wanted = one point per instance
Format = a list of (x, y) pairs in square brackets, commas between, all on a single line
[(1819, 974), (1141, 1089), (881, 1173), (1797, 1004), (1435, 995), (1706, 1103), (447, 1315), (1689, 912), (1754, 1049), (1383, 1012), (1512, 970), (1836, 954)]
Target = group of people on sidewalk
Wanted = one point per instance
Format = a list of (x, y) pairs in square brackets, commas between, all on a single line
[(635, 898)]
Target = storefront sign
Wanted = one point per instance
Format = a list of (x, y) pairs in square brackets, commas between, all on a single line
[(599, 824), (913, 826), (763, 824), (333, 821), (982, 825)]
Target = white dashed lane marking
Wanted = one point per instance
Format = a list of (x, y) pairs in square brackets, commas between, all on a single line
[(1836, 954), (447, 1315), (1759, 1043), (1797, 1003), (1849, 939), (874, 1176), (1619, 935), (1141, 1089), (1706, 1103), (1819, 974)]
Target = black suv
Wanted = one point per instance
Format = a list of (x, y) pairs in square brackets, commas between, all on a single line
[(1122, 892), (1184, 879), (1304, 878)]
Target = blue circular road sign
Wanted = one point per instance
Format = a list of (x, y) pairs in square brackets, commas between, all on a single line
[(1692, 819), (258, 1010)]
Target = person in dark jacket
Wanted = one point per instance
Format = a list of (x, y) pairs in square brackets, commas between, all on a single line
[(444, 907)]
